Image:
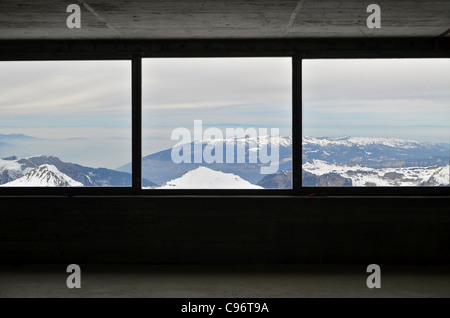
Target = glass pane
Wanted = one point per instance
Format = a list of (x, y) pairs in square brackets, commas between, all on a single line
[(217, 123), (379, 122), (65, 123)]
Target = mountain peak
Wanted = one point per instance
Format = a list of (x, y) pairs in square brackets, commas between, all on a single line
[(10, 158), (206, 178), (16, 136), (44, 175), (364, 141)]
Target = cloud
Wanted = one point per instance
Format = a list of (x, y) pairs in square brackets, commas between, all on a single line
[(377, 97), (344, 79), (65, 87), (208, 83), (380, 106)]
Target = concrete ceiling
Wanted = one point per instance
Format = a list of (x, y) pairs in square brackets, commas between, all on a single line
[(217, 19)]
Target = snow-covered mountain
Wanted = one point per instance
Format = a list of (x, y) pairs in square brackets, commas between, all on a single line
[(205, 178), (160, 168), (44, 176), (334, 175), (364, 141), (375, 152), (12, 168), (326, 161), (369, 152), (366, 161)]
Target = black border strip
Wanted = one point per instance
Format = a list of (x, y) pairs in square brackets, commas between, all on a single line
[(136, 126), (297, 124)]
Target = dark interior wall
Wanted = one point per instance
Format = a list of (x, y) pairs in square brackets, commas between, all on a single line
[(230, 230), (224, 229), (305, 48)]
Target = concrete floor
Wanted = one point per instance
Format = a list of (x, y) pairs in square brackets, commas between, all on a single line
[(223, 281)]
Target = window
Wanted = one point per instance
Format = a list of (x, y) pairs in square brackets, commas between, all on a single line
[(217, 123), (377, 122), (65, 123), (146, 125)]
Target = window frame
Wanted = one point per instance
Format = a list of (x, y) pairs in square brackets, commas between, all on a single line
[(294, 112), (73, 191), (136, 145), (107, 51), (381, 191)]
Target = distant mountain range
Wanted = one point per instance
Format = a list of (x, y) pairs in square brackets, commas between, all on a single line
[(13, 168), (375, 152), (13, 137), (360, 161), (321, 173), (364, 152), (343, 161), (160, 168)]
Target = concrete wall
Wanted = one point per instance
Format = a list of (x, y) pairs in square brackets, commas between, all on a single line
[(231, 230), (225, 229)]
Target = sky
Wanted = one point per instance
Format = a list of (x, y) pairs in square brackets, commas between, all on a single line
[(222, 93), (80, 111), (404, 98)]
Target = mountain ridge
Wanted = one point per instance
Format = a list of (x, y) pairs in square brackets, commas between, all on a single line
[(160, 168), (11, 170), (44, 175)]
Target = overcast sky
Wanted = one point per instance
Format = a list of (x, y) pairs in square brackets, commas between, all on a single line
[(406, 98), (82, 109), (223, 93)]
